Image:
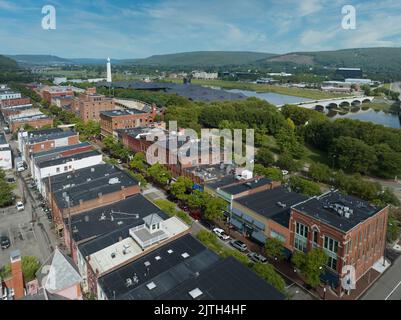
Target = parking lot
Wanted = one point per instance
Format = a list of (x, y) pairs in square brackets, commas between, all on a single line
[(28, 230)]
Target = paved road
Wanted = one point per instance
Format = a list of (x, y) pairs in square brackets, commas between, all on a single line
[(388, 287)]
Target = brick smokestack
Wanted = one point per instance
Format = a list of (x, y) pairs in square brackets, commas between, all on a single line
[(17, 277)]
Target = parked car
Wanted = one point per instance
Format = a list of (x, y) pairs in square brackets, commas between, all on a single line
[(256, 257), (5, 242), (10, 179), (207, 224), (20, 206), (221, 234), (239, 245)]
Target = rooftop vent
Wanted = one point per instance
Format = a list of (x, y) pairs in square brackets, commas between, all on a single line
[(158, 258), (86, 218), (170, 251), (128, 282), (282, 205), (114, 181), (195, 293), (147, 263), (113, 255), (151, 286)]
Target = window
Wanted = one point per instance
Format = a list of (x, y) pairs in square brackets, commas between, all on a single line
[(57, 170), (332, 263), (330, 244), (277, 235), (301, 237)]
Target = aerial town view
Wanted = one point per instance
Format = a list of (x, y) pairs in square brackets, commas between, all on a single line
[(214, 150)]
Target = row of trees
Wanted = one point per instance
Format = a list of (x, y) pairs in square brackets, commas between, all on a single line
[(6, 191)]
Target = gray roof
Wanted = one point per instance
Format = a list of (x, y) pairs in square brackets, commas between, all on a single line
[(104, 220), (58, 273), (91, 189), (119, 113), (321, 208), (62, 160), (52, 136), (267, 203), (78, 177), (3, 139), (226, 280), (60, 149), (166, 268), (153, 218)]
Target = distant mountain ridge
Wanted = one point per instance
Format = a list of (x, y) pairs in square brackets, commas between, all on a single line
[(7, 63), (371, 60)]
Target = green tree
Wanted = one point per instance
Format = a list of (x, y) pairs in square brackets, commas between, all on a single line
[(319, 172), (30, 265), (159, 174), (311, 265), (286, 161), (180, 188), (6, 194), (264, 157), (274, 248), (267, 272), (287, 141), (274, 174), (304, 186), (138, 162), (214, 208)]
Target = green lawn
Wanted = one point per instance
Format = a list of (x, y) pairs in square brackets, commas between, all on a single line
[(299, 92)]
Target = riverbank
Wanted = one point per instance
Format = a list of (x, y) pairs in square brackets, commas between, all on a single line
[(313, 94)]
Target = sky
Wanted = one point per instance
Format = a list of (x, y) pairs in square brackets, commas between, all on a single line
[(127, 29)]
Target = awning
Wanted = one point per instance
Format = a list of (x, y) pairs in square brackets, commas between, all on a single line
[(236, 224), (330, 278), (259, 236)]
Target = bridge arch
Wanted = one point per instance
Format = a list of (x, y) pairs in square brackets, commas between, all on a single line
[(345, 104), (356, 102), (319, 107), (366, 101)]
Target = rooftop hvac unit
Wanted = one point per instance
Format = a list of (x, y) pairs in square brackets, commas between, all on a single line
[(114, 181), (128, 282)]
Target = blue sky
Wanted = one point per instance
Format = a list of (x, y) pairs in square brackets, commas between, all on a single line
[(138, 28)]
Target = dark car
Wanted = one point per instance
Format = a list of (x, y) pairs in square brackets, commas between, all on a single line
[(5, 242), (207, 224), (239, 245)]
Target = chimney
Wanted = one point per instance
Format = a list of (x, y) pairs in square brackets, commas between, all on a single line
[(17, 277)]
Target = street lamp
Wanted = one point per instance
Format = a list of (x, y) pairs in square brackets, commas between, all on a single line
[(324, 293)]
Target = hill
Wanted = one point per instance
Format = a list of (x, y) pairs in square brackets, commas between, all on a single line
[(371, 60), (7, 63), (204, 58), (31, 59)]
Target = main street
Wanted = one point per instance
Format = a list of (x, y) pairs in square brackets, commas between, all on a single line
[(388, 287)]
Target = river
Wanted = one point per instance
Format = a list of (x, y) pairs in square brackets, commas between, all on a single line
[(378, 117)]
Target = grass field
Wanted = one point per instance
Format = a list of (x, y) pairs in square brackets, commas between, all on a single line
[(298, 92)]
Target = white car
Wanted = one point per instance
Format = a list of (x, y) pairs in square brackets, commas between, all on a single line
[(221, 234), (20, 206), (21, 169)]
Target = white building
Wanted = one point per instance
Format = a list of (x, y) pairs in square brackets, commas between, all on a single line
[(359, 81), (59, 80), (7, 94), (6, 159), (51, 167), (205, 75)]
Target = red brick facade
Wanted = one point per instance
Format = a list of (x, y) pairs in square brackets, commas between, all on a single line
[(15, 102), (36, 123)]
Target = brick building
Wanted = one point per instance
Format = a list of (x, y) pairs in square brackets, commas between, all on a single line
[(125, 119), (75, 198), (36, 122), (8, 103), (351, 231), (89, 105), (48, 93)]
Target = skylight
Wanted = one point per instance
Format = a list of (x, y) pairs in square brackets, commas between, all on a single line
[(170, 251), (147, 264), (151, 285), (195, 293), (158, 258), (185, 255)]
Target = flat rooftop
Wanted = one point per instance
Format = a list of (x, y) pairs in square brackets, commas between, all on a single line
[(62, 160), (214, 176), (3, 139), (246, 185), (120, 113), (92, 189), (330, 209), (50, 136), (78, 177), (165, 267), (59, 149), (272, 204), (225, 280), (103, 220)]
